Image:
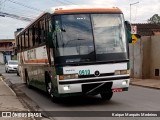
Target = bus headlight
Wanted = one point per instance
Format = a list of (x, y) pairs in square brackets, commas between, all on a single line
[(121, 72), (69, 76), (124, 82), (66, 88)]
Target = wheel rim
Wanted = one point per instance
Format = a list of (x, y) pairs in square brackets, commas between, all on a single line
[(27, 80), (49, 87), (49, 90), (52, 96)]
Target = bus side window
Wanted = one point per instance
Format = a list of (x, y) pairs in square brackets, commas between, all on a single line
[(45, 30), (33, 35), (26, 39), (30, 37), (20, 42), (37, 34), (47, 24), (42, 31), (23, 40), (18, 45), (50, 34)]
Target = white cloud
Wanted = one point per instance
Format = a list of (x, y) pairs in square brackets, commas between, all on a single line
[(8, 26), (104, 3), (89, 4), (139, 12)]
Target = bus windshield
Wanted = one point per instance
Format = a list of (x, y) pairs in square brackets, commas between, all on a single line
[(89, 38)]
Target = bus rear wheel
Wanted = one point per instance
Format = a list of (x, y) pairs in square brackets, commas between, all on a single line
[(106, 96), (27, 80)]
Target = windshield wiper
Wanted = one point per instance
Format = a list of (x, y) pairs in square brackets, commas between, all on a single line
[(72, 60)]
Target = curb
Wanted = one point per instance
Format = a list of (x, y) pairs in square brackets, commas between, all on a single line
[(26, 103), (7, 86), (144, 86)]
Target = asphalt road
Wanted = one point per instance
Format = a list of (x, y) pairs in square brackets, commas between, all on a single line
[(136, 99)]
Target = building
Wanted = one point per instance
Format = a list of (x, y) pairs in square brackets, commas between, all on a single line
[(145, 54), (6, 50)]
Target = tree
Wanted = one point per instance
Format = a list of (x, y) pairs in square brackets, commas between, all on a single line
[(154, 19)]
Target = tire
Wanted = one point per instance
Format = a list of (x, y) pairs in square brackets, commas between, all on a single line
[(106, 96), (54, 98), (7, 71), (17, 73), (49, 89), (27, 80)]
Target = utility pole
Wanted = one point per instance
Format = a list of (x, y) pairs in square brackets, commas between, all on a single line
[(130, 10), (132, 45)]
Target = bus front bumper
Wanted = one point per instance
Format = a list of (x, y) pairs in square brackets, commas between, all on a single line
[(94, 87)]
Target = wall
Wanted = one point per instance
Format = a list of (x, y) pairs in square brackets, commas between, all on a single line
[(146, 58), (1, 58), (136, 54), (131, 59), (155, 56)]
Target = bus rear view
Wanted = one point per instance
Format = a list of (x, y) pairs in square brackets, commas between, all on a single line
[(90, 52)]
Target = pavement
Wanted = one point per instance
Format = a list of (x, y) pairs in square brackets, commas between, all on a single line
[(9, 102)]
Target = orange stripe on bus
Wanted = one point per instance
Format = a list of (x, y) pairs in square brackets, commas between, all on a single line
[(37, 61), (110, 10)]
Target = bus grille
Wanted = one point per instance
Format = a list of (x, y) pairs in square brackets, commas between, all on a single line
[(96, 88)]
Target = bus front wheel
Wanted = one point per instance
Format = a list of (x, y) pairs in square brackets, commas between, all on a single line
[(106, 96), (49, 89)]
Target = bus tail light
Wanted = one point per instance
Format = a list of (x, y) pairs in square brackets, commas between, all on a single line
[(69, 76), (121, 72)]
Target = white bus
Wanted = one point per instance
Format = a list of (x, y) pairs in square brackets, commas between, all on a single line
[(76, 52)]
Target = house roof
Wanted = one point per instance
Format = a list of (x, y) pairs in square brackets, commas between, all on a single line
[(147, 29), (6, 40)]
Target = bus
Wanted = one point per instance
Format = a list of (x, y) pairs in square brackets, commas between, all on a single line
[(76, 51)]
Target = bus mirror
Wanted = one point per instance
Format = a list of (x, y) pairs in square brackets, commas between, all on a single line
[(128, 31), (128, 25)]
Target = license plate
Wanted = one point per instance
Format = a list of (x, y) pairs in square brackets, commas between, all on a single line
[(117, 90)]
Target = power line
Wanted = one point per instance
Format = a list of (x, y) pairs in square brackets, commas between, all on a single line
[(13, 10), (10, 9), (61, 2), (70, 2), (21, 12), (1, 3), (18, 3), (3, 14)]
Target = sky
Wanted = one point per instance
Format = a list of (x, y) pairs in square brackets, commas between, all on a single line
[(140, 12)]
